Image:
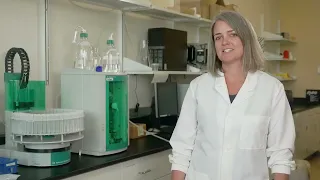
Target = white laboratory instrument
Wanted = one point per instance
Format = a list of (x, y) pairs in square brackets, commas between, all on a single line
[(104, 99)]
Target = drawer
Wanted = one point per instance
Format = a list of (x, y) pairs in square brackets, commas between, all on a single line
[(147, 168), (110, 172), (131, 168)]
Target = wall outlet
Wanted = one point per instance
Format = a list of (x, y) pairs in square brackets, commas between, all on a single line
[(318, 70)]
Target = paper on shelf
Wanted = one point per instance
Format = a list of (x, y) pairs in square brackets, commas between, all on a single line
[(267, 34), (159, 77), (130, 65)]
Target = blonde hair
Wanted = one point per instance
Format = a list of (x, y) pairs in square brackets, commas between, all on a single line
[(253, 59)]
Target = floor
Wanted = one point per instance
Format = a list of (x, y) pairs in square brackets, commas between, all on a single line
[(315, 168)]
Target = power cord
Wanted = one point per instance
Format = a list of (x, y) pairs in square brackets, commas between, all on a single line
[(136, 109)]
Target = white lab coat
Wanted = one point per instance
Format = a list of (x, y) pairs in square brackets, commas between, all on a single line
[(215, 139)]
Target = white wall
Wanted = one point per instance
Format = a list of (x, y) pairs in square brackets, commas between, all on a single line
[(18, 19), (19, 28)]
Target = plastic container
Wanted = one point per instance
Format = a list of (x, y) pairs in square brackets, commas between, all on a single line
[(111, 59), (8, 166), (83, 59), (96, 59)]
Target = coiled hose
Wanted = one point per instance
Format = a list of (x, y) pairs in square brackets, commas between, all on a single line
[(25, 65)]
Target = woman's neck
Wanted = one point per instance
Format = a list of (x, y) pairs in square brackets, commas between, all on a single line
[(234, 72), (234, 78)]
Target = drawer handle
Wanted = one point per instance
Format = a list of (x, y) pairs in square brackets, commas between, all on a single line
[(145, 172)]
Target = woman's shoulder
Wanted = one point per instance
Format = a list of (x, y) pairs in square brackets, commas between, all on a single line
[(204, 78), (201, 81)]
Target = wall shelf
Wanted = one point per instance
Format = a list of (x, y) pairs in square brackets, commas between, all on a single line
[(281, 60), (164, 73), (167, 14), (149, 10), (279, 40), (274, 37), (286, 79), (123, 5), (162, 76)]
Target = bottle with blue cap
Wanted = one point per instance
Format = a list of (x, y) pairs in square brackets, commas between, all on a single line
[(96, 58)]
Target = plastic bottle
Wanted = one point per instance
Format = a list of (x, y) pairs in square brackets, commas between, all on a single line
[(83, 59), (144, 53), (96, 59), (111, 59)]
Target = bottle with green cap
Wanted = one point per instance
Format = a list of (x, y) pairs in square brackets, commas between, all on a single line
[(83, 59), (111, 58)]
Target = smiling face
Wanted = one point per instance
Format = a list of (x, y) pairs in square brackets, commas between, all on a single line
[(228, 45)]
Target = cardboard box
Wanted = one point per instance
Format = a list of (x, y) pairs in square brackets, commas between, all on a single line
[(201, 7), (216, 9), (192, 7), (137, 132), (163, 3), (183, 10)]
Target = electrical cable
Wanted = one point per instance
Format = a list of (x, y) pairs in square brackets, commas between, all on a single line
[(25, 65), (136, 109), (148, 133)]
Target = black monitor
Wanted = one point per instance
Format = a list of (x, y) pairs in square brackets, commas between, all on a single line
[(166, 99)]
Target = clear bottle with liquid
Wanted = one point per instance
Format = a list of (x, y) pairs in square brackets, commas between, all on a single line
[(144, 53), (111, 58), (83, 59), (96, 59)]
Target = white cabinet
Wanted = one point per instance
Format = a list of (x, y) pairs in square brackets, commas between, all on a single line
[(110, 172), (149, 167), (307, 124), (152, 167)]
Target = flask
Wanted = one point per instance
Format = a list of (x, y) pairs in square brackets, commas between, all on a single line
[(111, 59), (83, 59)]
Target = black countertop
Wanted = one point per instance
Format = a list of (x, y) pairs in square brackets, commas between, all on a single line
[(80, 164), (301, 108)]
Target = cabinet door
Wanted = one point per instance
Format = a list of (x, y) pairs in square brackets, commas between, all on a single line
[(147, 168), (157, 166), (110, 172), (131, 168), (299, 127)]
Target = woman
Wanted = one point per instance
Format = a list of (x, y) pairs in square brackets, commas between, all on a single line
[(235, 121)]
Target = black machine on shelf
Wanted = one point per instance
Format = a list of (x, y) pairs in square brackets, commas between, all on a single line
[(168, 48), (197, 53)]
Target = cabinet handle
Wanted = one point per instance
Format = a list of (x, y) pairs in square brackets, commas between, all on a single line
[(145, 172)]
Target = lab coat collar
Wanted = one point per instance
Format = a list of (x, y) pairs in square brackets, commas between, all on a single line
[(245, 92)]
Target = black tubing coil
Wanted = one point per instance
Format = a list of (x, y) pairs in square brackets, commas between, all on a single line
[(25, 65)]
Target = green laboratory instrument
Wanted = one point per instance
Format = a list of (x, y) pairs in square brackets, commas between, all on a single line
[(31, 132), (104, 98)]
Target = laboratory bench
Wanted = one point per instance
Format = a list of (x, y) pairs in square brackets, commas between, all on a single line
[(80, 167), (147, 157), (300, 108)]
